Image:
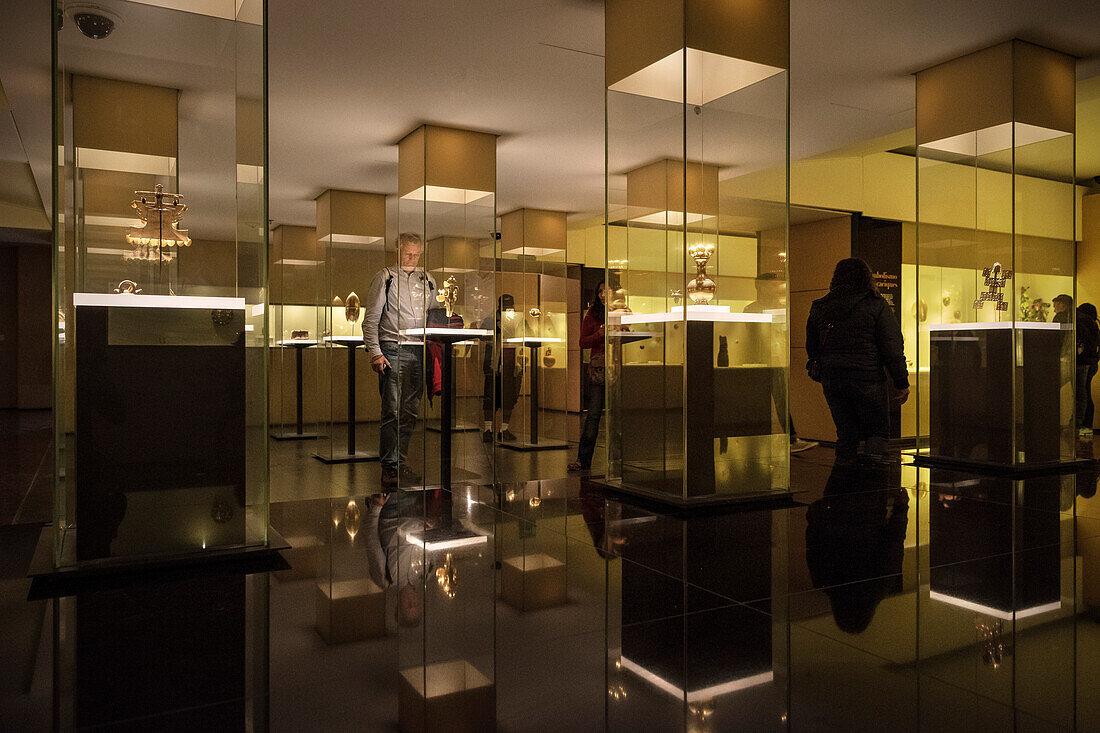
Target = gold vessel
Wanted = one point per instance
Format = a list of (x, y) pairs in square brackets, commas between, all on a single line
[(701, 288)]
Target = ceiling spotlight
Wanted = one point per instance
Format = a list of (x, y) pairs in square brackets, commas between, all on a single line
[(93, 21)]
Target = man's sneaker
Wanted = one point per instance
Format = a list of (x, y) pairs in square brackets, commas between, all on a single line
[(487, 436), (798, 445), (389, 477), (507, 436)]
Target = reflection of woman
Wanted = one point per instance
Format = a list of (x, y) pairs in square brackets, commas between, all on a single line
[(1088, 354), (592, 337)]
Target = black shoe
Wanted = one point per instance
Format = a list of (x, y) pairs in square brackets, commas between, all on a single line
[(507, 436), (389, 477), (487, 436), (410, 478)]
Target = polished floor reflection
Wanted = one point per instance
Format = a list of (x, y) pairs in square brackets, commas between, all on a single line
[(885, 597)]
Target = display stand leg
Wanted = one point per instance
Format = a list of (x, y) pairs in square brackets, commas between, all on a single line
[(351, 400), (534, 395), (446, 418), (298, 390)]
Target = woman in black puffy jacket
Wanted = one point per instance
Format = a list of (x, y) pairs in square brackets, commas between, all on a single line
[(855, 348), (1088, 354)]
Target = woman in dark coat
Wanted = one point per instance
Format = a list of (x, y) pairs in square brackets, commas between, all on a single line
[(592, 335), (856, 351)]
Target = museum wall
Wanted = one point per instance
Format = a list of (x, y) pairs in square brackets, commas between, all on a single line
[(25, 357)]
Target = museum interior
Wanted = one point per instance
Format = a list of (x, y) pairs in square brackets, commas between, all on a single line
[(444, 366)]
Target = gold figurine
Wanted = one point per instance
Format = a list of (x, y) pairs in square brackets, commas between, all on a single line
[(701, 288), (448, 294), (351, 307), (160, 214), (128, 286), (534, 312)]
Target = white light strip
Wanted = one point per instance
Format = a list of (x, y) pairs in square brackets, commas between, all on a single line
[(448, 544), (994, 139), (992, 326), (258, 309), (533, 251), (130, 300), (299, 263), (446, 331), (290, 342), (446, 195), (338, 239), (713, 313), (671, 218), (96, 220), (696, 695), (116, 160), (249, 327), (536, 339), (994, 612), (344, 339)]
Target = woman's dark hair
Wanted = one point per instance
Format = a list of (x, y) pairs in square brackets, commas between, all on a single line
[(1086, 311), (1063, 298), (595, 308), (852, 275)]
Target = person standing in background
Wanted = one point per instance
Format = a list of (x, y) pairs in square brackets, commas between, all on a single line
[(856, 351), (1088, 355), (398, 300), (502, 382), (1063, 309), (592, 337)]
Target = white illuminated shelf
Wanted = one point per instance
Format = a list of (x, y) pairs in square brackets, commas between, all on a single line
[(533, 340), (994, 612), (446, 332), (696, 695), (296, 342), (449, 544), (1002, 325), (130, 300), (344, 339), (709, 313)]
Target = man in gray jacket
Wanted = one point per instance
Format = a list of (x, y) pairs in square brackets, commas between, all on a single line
[(398, 299)]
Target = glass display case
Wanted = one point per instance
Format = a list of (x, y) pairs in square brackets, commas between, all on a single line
[(160, 269), (295, 268), (531, 363), (995, 250), (351, 243), (696, 326), (445, 280)]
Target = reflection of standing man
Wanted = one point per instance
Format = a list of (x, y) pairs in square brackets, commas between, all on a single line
[(503, 379), (398, 299), (771, 295)]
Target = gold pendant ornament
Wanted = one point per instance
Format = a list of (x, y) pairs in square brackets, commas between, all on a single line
[(128, 286), (448, 295), (160, 215), (447, 576), (701, 289), (534, 312), (351, 307)]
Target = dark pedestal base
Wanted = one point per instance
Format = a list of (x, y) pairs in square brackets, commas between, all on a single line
[(542, 444), (295, 436), (359, 456), (678, 504)]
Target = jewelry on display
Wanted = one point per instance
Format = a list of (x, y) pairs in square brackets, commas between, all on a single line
[(221, 316), (128, 286), (447, 576), (534, 312), (351, 307), (160, 215), (299, 335), (448, 294), (701, 289), (995, 280), (548, 360)]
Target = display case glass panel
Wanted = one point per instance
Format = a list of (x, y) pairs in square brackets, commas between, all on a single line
[(696, 326), (532, 339), (447, 213), (351, 242), (995, 250), (160, 228)]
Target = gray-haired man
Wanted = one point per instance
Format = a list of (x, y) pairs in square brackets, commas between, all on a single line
[(398, 299)]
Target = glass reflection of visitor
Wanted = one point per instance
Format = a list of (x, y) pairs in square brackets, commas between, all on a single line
[(592, 337), (1088, 355), (502, 383), (771, 296), (397, 566), (397, 300)]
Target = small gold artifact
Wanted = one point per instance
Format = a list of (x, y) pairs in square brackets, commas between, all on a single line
[(534, 312), (448, 294), (128, 286), (351, 307)]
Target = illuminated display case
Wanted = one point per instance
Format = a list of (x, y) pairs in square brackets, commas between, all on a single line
[(696, 329), (447, 199), (995, 247), (160, 271), (351, 243), (532, 341)]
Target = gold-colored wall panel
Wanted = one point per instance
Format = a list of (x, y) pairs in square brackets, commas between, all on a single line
[(814, 250), (353, 213), (432, 155)]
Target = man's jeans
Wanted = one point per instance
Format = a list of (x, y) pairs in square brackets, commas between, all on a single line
[(861, 411), (591, 429), (400, 389)]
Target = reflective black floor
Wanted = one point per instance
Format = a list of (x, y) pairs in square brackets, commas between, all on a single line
[(887, 598)]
